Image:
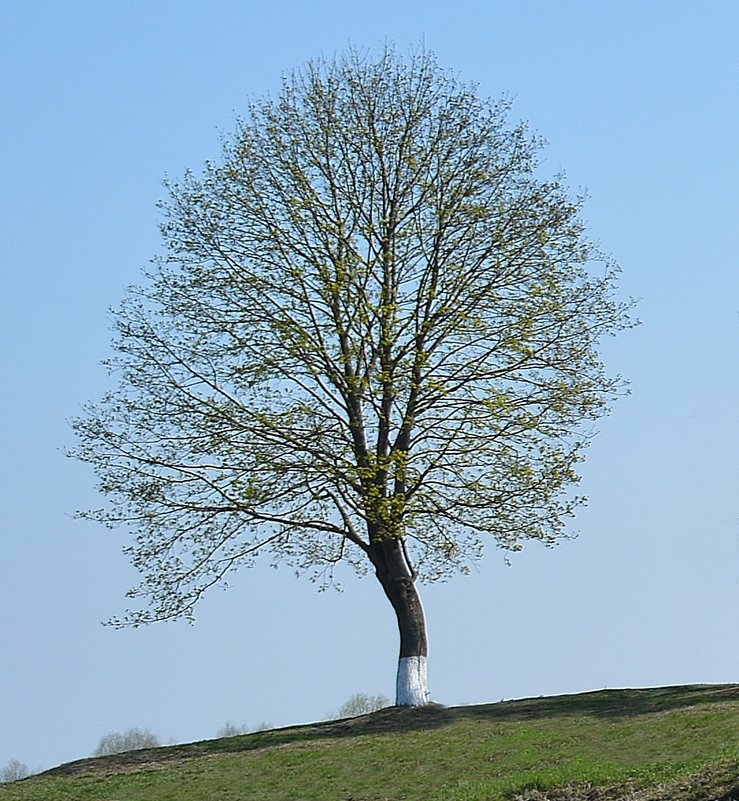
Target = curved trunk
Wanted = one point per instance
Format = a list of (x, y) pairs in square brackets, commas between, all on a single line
[(398, 580)]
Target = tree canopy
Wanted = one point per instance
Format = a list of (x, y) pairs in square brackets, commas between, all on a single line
[(375, 328)]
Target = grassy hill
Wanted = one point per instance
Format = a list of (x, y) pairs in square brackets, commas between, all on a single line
[(676, 743)]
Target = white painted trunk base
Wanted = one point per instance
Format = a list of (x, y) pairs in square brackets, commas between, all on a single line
[(413, 681)]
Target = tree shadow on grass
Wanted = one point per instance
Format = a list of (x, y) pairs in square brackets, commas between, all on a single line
[(394, 720)]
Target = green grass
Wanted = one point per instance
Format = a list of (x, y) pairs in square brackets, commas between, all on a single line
[(677, 743)]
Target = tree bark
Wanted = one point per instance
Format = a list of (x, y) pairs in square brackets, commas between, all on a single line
[(394, 572)]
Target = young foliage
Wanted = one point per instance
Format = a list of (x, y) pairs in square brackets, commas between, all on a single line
[(372, 339)]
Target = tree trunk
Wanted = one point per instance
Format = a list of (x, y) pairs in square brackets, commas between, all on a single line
[(398, 580)]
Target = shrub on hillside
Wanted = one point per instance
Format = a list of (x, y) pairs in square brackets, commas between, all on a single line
[(232, 730), (131, 740), (13, 771), (362, 704)]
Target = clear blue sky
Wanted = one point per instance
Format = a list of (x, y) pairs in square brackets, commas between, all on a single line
[(640, 104)]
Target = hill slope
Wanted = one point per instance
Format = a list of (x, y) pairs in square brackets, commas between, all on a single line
[(676, 743)]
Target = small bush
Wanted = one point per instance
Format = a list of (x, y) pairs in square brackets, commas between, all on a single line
[(362, 704), (131, 740), (232, 730), (14, 771)]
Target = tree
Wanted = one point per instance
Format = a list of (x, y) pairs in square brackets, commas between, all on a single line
[(14, 771), (362, 704), (372, 339), (129, 740), (233, 730)]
